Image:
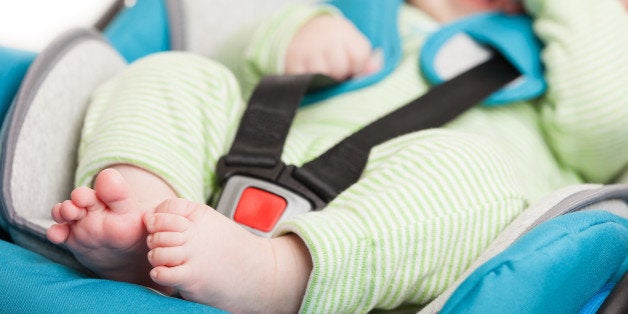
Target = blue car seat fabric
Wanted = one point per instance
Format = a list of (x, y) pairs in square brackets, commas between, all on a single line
[(557, 267), (30, 283), (594, 304), (510, 35), (13, 66), (140, 30)]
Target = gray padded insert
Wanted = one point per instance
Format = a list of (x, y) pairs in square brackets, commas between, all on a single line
[(44, 126)]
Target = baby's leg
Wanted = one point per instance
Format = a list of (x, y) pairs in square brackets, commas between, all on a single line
[(426, 206), (210, 259), (104, 227), (169, 115), (173, 114)]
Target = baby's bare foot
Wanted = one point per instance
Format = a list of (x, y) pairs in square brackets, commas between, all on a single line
[(104, 229), (210, 259)]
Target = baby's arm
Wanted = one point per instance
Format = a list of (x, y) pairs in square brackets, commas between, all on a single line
[(585, 110)]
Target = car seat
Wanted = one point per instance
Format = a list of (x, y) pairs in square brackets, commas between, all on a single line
[(37, 167)]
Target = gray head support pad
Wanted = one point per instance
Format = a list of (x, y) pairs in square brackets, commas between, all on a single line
[(41, 132)]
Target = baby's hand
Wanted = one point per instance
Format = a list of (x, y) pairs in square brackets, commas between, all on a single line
[(333, 46)]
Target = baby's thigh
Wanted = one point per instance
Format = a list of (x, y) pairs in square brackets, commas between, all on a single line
[(432, 200), (438, 172)]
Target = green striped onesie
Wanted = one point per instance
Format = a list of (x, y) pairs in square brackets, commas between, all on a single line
[(428, 202)]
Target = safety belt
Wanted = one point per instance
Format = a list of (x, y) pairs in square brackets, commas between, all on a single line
[(259, 190)]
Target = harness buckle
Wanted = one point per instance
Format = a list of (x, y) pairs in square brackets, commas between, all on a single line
[(259, 205), (260, 197)]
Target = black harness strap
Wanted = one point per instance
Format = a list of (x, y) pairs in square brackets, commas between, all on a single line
[(341, 166), (257, 148), (266, 121)]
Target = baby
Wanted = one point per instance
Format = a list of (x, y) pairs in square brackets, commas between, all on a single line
[(428, 202)]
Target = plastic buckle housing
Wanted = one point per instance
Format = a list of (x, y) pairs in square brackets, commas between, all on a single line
[(259, 205)]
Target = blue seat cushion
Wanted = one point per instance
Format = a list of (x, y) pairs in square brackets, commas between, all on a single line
[(30, 283), (555, 268), (14, 64)]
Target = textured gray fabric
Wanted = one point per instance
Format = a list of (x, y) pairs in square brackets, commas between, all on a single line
[(43, 129)]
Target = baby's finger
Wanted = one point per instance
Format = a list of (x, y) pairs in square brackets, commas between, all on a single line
[(339, 64), (359, 53), (373, 65), (317, 64)]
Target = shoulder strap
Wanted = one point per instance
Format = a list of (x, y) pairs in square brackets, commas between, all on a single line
[(258, 144), (341, 166), (266, 121)]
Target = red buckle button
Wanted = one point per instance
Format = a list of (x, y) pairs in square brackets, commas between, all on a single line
[(259, 209)]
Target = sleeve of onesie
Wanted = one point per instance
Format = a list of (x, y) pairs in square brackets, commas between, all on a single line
[(266, 52), (585, 110)]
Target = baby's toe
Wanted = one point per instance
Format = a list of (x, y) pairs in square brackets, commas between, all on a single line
[(165, 239), (86, 197), (56, 213), (58, 233), (178, 206), (164, 222), (171, 276), (70, 212), (167, 256)]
